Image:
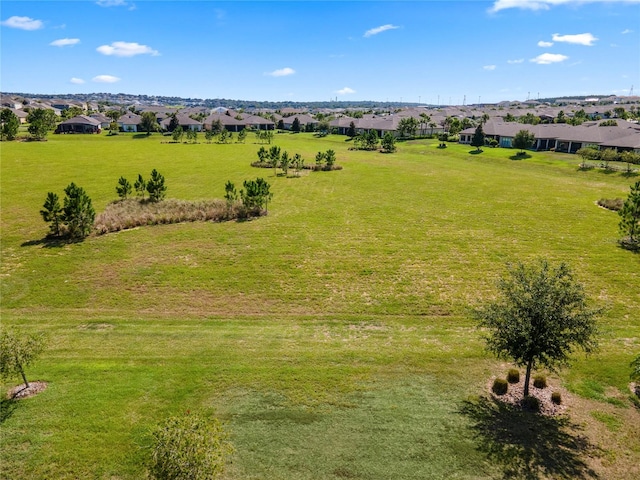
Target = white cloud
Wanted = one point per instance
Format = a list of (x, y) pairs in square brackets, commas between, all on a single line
[(626, 31), (23, 23), (546, 4), (548, 58), (283, 72), (380, 29), (105, 79), (585, 39), (345, 91), (519, 60), (544, 44), (64, 42), (112, 3), (77, 81), (126, 49), (489, 67)]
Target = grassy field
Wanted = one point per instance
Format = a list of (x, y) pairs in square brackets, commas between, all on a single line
[(332, 336)]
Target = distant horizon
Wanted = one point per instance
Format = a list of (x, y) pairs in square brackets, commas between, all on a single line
[(334, 101), (413, 52)]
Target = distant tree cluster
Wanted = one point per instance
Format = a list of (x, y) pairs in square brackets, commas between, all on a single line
[(41, 122)]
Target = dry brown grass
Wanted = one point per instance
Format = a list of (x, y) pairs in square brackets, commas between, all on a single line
[(132, 213)]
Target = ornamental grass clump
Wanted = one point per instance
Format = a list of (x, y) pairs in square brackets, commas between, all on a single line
[(189, 446), (500, 386), (513, 375), (540, 381), (556, 398)]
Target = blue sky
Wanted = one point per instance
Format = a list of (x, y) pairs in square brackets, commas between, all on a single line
[(412, 51)]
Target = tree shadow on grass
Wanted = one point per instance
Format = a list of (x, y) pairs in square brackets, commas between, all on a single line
[(7, 407), (520, 156), (51, 242), (475, 152), (526, 445)]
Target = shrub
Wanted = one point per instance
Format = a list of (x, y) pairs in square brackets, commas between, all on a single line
[(500, 386), (540, 381), (189, 447), (614, 204), (530, 403), (556, 398), (513, 375)]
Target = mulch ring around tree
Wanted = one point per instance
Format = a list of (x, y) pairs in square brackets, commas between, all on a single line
[(515, 394), (21, 391)]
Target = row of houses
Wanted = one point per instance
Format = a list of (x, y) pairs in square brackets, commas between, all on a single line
[(562, 137)]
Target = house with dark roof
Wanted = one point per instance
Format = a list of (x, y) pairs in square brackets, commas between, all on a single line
[(228, 122), (79, 124), (186, 122)]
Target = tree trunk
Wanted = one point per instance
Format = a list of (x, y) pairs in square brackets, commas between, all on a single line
[(24, 377), (527, 378)]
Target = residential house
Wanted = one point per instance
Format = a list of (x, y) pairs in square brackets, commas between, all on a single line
[(79, 124), (129, 122)]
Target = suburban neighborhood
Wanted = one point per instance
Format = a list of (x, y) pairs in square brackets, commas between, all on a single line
[(565, 125)]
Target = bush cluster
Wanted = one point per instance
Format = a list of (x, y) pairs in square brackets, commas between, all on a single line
[(556, 398)]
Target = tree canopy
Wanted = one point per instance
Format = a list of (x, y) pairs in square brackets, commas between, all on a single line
[(539, 318)]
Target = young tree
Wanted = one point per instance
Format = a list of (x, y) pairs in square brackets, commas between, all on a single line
[(113, 128), (478, 138), (140, 185), (372, 140), (255, 194), (298, 163), (330, 159), (295, 126), (192, 135), (177, 134), (217, 127), (208, 135), (189, 447), (41, 120), (230, 195), (263, 155), (351, 131), (319, 159), (280, 125), (156, 187), (123, 188), (274, 158), (523, 140), (285, 161), (242, 135), (18, 351), (10, 124), (539, 318), (78, 213), (223, 136), (630, 215), (388, 142), (52, 213), (149, 123)]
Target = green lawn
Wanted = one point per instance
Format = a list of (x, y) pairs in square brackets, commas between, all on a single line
[(332, 336)]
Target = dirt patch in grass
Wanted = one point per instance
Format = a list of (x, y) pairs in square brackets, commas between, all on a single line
[(21, 391)]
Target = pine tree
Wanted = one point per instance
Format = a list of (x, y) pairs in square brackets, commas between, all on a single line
[(478, 138), (630, 215), (78, 213), (52, 212), (156, 187), (123, 189)]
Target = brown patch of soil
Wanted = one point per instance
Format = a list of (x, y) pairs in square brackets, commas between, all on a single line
[(20, 391), (515, 394)]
